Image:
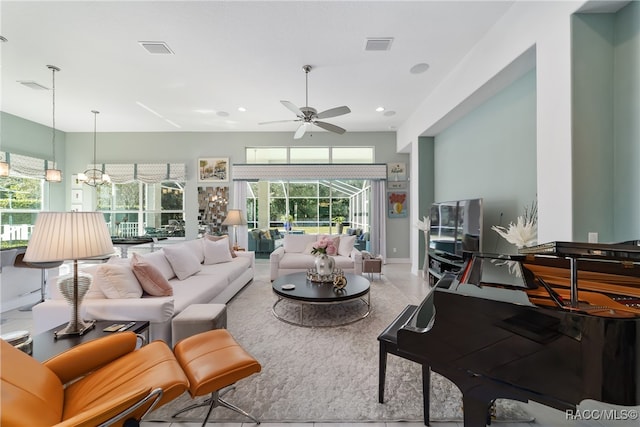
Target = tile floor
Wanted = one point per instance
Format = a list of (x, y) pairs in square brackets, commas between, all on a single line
[(415, 288)]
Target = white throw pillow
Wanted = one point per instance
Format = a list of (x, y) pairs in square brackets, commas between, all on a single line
[(216, 252), (297, 242), (346, 245), (197, 247), (118, 281), (183, 261)]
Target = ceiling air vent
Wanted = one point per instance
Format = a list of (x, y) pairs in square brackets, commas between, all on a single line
[(379, 43), (156, 48)]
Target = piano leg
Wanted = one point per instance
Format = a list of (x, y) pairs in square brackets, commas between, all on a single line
[(426, 390), (476, 412), (382, 371)]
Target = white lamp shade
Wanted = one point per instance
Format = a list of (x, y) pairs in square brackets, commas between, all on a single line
[(234, 217), (53, 175), (4, 168), (59, 236)]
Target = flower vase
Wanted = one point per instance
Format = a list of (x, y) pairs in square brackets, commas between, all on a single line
[(324, 264)]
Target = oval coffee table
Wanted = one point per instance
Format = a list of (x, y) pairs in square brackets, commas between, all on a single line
[(308, 292)]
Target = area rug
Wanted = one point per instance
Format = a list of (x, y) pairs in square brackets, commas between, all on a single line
[(326, 374)]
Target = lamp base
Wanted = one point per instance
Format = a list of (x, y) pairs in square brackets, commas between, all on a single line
[(78, 329)]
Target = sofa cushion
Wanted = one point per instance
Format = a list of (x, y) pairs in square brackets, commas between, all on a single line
[(293, 260), (160, 261), (118, 281), (216, 252), (150, 278), (346, 245), (231, 270), (297, 242), (183, 261), (217, 238)]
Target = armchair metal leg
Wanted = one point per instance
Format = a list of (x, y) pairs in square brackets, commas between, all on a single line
[(214, 401)]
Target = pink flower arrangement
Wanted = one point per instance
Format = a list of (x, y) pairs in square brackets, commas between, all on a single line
[(324, 246)]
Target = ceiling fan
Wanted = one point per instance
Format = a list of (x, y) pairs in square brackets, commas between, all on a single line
[(310, 116)]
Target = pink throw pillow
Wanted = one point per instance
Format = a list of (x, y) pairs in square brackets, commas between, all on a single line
[(150, 278)]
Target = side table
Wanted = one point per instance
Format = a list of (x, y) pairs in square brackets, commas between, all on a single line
[(45, 346), (372, 265)]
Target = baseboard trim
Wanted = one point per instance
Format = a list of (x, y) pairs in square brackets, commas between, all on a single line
[(398, 261)]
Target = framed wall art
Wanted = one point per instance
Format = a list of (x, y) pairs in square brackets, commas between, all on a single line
[(213, 169), (396, 172), (397, 204)]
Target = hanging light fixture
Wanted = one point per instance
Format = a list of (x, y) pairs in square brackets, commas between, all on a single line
[(52, 174), (94, 177)]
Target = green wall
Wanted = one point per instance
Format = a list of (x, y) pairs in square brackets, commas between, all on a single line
[(32, 139), (491, 153), (76, 151), (426, 185), (606, 125)]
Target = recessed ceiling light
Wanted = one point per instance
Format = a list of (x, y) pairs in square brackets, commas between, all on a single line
[(242, 109), (380, 109), (389, 113), (156, 48), (419, 68), (3, 39), (32, 85), (222, 114)]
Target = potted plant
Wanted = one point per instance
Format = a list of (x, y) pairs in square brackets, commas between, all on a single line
[(338, 220), (287, 219)]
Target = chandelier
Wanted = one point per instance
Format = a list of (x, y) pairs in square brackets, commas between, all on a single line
[(53, 175), (94, 177)]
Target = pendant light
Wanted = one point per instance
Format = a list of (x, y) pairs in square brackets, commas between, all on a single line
[(94, 177), (51, 174)]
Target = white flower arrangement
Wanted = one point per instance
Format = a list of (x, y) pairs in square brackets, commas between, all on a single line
[(525, 231)]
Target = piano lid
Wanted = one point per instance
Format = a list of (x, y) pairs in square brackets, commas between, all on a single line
[(602, 251)]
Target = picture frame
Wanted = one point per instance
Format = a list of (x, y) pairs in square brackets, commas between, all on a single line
[(397, 204), (213, 169), (396, 172), (396, 185)]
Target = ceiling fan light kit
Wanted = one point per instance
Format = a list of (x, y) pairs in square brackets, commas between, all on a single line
[(309, 115)]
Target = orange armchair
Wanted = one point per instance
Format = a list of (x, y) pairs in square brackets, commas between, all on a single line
[(101, 382)]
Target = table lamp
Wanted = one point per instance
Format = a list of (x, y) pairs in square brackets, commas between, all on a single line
[(60, 236), (235, 218)]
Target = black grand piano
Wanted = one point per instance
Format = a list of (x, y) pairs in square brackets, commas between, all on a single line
[(558, 324)]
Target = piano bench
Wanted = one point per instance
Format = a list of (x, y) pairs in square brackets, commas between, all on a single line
[(389, 344)]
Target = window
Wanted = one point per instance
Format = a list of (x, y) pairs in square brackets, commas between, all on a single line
[(308, 206), (293, 155), (138, 208), (20, 201)]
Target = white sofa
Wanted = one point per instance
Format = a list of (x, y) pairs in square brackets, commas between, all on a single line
[(294, 255), (213, 283)]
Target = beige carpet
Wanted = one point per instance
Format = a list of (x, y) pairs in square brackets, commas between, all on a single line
[(326, 374)]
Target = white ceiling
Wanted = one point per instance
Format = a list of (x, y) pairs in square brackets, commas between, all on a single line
[(230, 54)]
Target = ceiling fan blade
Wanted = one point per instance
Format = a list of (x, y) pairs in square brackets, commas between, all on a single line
[(301, 130), (279, 121), (334, 112), (291, 106), (330, 127)]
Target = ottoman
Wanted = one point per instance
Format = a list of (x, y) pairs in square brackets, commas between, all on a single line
[(198, 318)]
